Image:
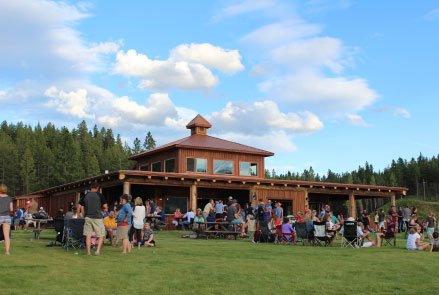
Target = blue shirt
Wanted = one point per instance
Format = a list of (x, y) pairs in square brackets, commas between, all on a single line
[(125, 213), (278, 212), (219, 208)]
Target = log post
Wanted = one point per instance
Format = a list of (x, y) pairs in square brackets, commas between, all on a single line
[(193, 197), (306, 200), (127, 188), (77, 197), (252, 194), (352, 206), (393, 200)]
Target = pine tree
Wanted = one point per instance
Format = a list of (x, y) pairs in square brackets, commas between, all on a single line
[(27, 171), (137, 148), (149, 142)]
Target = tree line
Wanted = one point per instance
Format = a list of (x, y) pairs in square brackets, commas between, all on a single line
[(420, 176), (34, 158)]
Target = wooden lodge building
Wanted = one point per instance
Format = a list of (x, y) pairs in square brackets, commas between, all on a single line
[(188, 172)]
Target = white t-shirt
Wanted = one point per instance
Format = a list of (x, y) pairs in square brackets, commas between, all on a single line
[(138, 216), (189, 215), (411, 241)]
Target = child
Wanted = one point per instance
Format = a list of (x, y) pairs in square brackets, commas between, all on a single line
[(435, 242), (148, 236), (251, 226)]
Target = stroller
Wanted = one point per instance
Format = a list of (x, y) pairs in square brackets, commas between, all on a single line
[(73, 234)]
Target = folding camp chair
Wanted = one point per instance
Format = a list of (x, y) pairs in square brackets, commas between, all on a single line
[(58, 225), (388, 238), (302, 233), (320, 236), (350, 237), (73, 237)]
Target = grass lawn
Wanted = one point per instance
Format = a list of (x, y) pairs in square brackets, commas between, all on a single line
[(183, 266)]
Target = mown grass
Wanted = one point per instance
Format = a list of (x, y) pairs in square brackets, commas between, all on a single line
[(183, 266)]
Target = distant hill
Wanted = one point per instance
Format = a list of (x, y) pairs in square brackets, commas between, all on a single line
[(423, 206)]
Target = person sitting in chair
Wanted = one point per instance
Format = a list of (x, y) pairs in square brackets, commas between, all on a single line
[(176, 221), (199, 219), (189, 218), (288, 231), (110, 225), (389, 232)]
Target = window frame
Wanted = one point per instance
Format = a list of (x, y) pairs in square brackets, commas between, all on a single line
[(145, 165), (164, 166), (257, 172), (195, 165), (161, 166), (225, 160)]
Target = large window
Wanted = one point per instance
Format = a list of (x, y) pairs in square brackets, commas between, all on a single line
[(248, 169), (157, 167), (222, 167), (170, 165), (196, 165), (172, 203), (144, 167)]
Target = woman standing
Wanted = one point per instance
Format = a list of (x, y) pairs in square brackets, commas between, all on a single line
[(124, 217), (6, 209), (138, 218)]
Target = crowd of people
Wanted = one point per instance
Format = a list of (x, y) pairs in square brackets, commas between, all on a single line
[(132, 222), (128, 221), (269, 217)]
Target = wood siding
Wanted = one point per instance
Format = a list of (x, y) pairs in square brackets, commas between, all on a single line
[(298, 197), (220, 155), (51, 204), (159, 157)]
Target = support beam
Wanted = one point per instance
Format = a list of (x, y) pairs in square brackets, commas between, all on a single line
[(252, 194), (393, 200), (127, 188), (352, 206), (306, 200), (77, 197), (193, 197)]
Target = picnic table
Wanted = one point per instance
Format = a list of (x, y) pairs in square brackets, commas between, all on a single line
[(219, 229), (37, 230)]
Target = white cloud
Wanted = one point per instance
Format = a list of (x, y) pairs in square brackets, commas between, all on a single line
[(243, 7), (74, 103), (301, 67), (335, 94), (184, 115), (162, 74), (262, 116), (158, 107), (313, 52), (281, 32), (40, 37), (357, 120), (109, 121), (402, 112), (213, 57)]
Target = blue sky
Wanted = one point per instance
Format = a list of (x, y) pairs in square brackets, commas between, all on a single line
[(330, 84)]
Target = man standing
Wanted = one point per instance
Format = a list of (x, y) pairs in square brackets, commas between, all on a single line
[(406, 214), (93, 202), (208, 208)]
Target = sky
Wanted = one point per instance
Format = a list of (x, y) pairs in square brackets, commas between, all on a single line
[(324, 83)]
